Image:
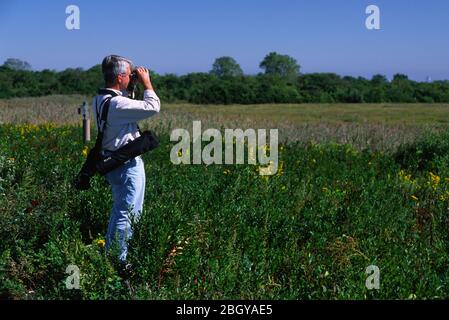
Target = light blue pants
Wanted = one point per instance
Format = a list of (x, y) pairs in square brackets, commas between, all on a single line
[(128, 189)]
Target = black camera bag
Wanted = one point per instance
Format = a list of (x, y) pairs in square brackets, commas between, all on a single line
[(146, 142), (97, 162)]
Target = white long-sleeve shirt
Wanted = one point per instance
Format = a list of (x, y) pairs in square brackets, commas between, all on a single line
[(121, 124)]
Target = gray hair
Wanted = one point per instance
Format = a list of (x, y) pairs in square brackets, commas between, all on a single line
[(114, 65)]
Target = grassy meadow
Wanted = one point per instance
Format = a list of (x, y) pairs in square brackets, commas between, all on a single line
[(357, 185)]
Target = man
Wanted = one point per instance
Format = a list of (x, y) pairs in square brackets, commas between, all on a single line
[(128, 181)]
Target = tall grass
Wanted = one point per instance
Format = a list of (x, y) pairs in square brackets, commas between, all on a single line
[(225, 232), (374, 126)]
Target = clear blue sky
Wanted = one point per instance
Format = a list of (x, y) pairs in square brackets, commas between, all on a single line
[(179, 36)]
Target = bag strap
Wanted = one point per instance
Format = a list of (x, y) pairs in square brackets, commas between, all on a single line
[(104, 107), (101, 121)]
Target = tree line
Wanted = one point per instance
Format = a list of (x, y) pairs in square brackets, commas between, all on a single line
[(280, 82)]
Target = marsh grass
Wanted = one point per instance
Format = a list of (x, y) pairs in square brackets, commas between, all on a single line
[(374, 126)]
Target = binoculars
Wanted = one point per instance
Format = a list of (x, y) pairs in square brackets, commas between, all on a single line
[(132, 86)]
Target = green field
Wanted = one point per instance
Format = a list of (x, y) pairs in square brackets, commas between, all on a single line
[(373, 190), (374, 126), (62, 109)]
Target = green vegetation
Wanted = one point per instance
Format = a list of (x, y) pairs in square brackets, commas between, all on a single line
[(226, 84), (226, 67), (358, 185), (381, 127), (280, 65), (219, 232), (62, 109)]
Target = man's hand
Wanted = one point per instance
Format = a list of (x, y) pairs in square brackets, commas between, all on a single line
[(144, 78)]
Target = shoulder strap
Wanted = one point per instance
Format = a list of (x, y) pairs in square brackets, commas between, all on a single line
[(101, 121), (104, 114), (104, 107)]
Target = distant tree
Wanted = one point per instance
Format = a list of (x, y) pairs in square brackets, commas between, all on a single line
[(375, 94), (400, 77), (17, 64), (226, 67), (72, 80), (379, 79), (319, 87), (401, 89), (280, 65), (376, 89), (207, 88), (169, 87)]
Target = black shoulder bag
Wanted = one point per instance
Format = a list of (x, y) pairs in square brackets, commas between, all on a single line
[(96, 162)]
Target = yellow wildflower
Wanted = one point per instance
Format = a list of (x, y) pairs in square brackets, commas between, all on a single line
[(281, 168), (435, 179), (404, 176), (445, 196), (101, 243), (85, 151)]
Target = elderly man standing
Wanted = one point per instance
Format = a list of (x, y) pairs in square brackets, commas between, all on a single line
[(128, 181)]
